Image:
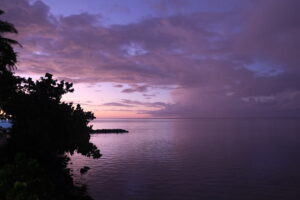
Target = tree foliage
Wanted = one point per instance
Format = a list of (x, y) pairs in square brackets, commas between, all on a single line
[(25, 179), (8, 57), (41, 119)]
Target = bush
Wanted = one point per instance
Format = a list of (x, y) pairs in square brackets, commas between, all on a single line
[(42, 123)]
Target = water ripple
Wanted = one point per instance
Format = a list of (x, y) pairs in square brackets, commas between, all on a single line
[(195, 159)]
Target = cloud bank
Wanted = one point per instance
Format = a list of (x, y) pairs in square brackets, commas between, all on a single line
[(242, 62)]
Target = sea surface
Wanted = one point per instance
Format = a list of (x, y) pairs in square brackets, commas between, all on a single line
[(201, 159), (5, 124)]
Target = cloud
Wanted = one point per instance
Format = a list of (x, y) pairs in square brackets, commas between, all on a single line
[(131, 103), (145, 104), (168, 6), (118, 86), (149, 96), (239, 62), (136, 88), (117, 104)]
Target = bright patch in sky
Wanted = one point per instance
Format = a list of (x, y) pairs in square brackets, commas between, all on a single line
[(107, 100), (134, 49)]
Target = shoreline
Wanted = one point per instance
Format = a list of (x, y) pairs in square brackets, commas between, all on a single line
[(109, 131)]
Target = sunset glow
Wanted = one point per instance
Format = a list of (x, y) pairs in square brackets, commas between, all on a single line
[(204, 58)]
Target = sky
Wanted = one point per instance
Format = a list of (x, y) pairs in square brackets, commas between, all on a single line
[(165, 58)]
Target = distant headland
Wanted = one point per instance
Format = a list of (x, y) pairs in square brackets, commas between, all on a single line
[(107, 131)]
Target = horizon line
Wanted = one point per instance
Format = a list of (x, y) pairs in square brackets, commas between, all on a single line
[(282, 117)]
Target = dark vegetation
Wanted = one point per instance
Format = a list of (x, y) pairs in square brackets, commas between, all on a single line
[(105, 131), (33, 162), (84, 169)]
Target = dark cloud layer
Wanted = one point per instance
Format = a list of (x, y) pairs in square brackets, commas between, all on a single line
[(115, 104), (136, 88), (239, 62)]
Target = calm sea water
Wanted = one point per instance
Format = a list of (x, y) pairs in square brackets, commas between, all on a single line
[(201, 159), (5, 124)]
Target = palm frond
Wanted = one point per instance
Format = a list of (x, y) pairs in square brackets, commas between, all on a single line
[(6, 27), (8, 57), (8, 41)]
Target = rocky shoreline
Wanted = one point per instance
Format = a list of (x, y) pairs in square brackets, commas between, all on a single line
[(4, 133), (108, 131)]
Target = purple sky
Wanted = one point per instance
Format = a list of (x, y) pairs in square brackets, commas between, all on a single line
[(166, 58)]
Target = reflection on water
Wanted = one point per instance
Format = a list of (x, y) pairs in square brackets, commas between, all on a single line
[(207, 159), (5, 124)]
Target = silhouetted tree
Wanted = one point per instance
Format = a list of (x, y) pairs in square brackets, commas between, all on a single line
[(40, 119), (8, 57)]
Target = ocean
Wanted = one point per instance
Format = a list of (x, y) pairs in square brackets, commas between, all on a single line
[(205, 159), (5, 124)]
